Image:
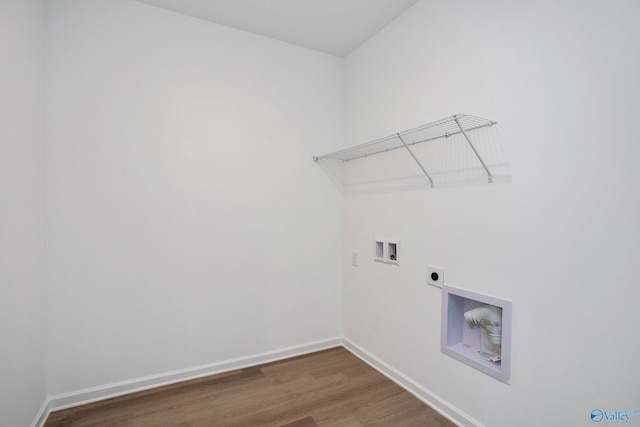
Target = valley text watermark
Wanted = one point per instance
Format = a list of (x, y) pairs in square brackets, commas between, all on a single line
[(599, 415)]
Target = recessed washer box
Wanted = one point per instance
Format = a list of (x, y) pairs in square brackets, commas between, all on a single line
[(393, 252), (386, 251), (379, 250), (476, 330)]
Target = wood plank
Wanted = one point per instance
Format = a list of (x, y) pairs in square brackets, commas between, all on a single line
[(330, 388)]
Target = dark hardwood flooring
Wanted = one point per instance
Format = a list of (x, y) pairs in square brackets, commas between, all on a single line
[(328, 388)]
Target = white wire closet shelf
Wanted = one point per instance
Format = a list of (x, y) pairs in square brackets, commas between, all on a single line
[(459, 143)]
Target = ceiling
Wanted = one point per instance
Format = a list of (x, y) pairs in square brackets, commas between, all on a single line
[(336, 27)]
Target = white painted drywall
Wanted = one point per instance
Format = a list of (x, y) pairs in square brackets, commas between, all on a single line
[(22, 211), (187, 222), (562, 240)]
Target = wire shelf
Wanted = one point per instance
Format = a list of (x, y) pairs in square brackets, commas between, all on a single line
[(461, 144)]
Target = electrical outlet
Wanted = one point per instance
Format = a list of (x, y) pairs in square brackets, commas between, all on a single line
[(354, 258), (435, 276)]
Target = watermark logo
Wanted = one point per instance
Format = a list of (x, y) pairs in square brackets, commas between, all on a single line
[(598, 415)]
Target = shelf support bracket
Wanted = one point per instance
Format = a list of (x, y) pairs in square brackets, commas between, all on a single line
[(416, 159), (474, 149)]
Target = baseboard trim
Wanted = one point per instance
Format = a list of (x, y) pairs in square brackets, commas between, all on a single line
[(445, 408), (94, 394), (42, 414)]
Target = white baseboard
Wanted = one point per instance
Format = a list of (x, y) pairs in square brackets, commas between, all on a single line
[(442, 406), (94, 394), (42, 415)]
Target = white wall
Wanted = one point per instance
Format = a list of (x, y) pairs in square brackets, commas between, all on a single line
[(22, 210), (561, 240), (187, 223)]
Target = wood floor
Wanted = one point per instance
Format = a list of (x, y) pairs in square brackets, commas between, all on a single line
[(328, 388)]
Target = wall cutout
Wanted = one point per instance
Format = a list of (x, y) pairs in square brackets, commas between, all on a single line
[(476, 330), (378, 250), (387, 251), (393, 252)]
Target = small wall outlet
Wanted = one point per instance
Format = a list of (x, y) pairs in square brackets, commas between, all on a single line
[(435, 276), (354, 258)]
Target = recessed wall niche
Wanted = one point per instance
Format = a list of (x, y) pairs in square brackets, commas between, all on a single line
[(476, 330), (386, 251), (378, 250)]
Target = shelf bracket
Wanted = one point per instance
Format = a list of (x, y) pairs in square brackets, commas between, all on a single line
[(416, 159), (455, 118)]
